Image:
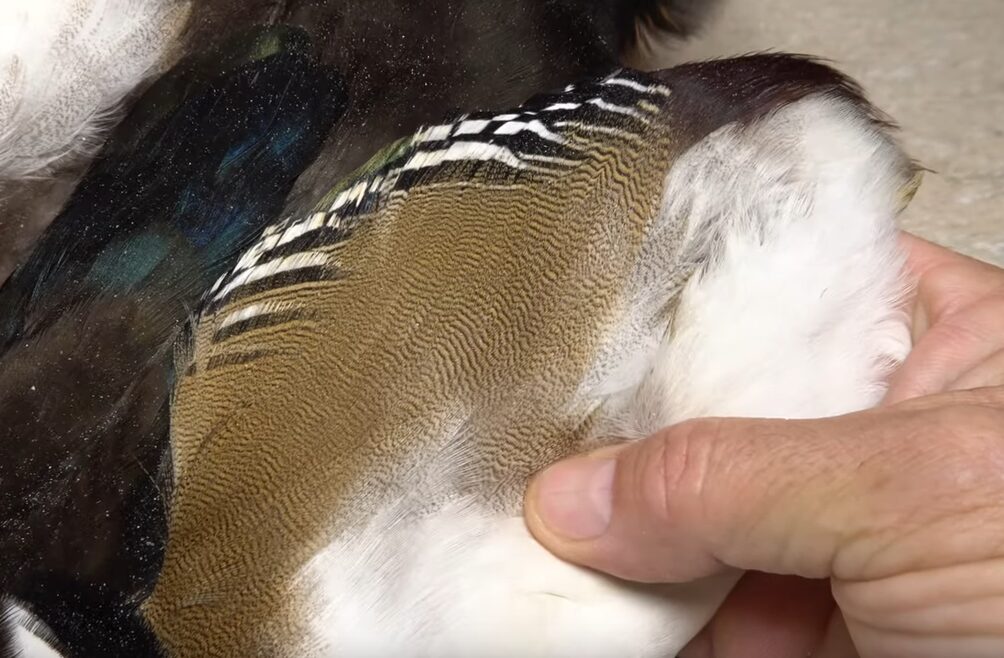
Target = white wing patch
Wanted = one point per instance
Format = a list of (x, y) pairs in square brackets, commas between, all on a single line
[(471, 127), (254, 310), (536, 127), (554, 107), (661, 90), (613, 107)]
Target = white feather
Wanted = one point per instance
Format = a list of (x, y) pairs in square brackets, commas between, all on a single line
[(796, 314), (26, 634), (64, 67), (793, 312), (477, 585)]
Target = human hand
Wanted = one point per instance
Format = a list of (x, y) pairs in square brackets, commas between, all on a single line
[(894, 508), (958, 323)]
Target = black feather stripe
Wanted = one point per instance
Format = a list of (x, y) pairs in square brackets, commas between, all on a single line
[(502, 146), (262, 321), (310, 274), (236, 359)]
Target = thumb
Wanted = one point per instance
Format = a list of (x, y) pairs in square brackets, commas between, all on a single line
[(810, 498)]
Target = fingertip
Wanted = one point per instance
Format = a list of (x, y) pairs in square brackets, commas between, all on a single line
[(572, 500), (596, 510), (567, 496)]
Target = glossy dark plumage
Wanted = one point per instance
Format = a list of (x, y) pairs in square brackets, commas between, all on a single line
[(202, 162), (408, 62), (416, 62)]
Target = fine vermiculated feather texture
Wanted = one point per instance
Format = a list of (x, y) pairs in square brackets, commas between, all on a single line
[(203, 160), (494, 293)]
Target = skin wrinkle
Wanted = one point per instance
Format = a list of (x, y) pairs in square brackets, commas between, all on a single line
[(789, 549), (806, 448), (899, 538), (879, 620), (988, 398), (967, 330), (754, 521), (848, 559), (949, 288), (958, 337), (677, 467), (662, 464), (988, 373), (713, 431), (978, 615), (683, 459), (863, 624), (857, 601), (813, 515), (866, 600)]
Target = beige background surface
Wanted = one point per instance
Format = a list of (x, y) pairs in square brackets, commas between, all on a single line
[(936, 66)]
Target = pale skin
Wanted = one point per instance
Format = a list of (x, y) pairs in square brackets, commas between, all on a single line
[(877, 534)]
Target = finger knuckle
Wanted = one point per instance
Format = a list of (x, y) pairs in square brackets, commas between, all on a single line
[(990, 399), (680, 468)]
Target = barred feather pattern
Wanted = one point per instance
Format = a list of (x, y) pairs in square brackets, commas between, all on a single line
[(65, 65)]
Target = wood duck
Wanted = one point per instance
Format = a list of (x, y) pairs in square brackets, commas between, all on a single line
[(367, 390), (395, 52), (203, 161)]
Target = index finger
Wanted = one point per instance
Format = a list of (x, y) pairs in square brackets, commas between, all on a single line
[(946, 280), (923, 255)]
